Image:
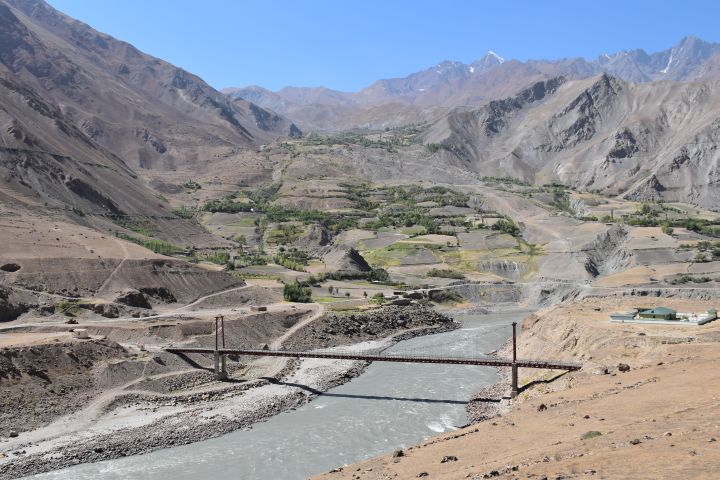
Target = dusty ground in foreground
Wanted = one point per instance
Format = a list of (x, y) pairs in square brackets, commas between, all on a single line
[(659, 420)]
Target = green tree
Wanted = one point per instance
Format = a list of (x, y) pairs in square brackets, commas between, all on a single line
[(379, 275), (296, 292), (507, 226)]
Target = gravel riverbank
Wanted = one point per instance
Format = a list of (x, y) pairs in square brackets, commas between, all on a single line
[(494, 400), (137, 423), (491, 401)]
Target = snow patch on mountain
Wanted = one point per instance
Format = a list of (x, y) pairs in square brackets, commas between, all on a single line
[(496, 56)]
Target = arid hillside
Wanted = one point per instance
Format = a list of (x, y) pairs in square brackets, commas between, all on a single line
[(92, 133), (646, 141), (113, 119)]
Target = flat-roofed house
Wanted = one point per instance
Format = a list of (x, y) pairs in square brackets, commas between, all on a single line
[(660, 313)]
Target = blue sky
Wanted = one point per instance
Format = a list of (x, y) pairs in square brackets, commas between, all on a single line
[(347, 45)]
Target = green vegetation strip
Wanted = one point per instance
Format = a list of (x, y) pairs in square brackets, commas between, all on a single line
[(445, 273), (157, 246)]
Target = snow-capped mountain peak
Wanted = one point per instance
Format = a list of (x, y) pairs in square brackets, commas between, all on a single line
[(496, 56)]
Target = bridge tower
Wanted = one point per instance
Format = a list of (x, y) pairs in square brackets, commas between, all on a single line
[(220, 359), (514, 380)]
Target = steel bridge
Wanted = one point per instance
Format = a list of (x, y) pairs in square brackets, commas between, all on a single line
[(340, 355), (220, 353)]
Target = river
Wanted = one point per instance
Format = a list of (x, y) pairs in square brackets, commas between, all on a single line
[(390, 406)]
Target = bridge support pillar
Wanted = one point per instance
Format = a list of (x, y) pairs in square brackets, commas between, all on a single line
[(514, 375), (220, 360)]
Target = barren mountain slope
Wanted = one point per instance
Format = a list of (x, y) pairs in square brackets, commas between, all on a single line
[(50, 257), (645, 141), (89, 122), (153, 115), (86, 124)]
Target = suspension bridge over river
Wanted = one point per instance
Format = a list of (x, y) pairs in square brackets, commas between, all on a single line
[(220, 353)]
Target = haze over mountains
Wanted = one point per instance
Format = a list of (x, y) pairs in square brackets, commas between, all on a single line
[(451, 84)]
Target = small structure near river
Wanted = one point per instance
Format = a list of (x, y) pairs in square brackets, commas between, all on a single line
[(658, 313), (663, 315)]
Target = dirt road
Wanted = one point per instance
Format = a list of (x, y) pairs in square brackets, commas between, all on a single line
[(272, 366)]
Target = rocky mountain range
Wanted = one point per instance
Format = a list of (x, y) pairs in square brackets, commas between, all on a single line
[(424, 94), (643, 141), (90, 122)]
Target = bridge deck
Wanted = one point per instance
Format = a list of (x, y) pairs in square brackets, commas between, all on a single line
[(488, 361)]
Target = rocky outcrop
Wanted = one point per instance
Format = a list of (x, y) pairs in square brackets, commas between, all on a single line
[(626, 145), (87, 192), (270, 121), (159, 294), (154, 142), (606, 255), (584, 113), (504, 268), (497, 110), (315, 237), (133, 298), (106, 310), (649, 189), (11, 307), (345, 260), (339, 329)]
